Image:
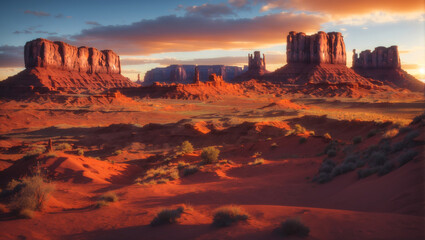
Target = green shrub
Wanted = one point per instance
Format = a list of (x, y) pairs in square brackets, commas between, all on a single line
[(357, 140), (186, 147), (167, 216), (210, 154), (30, 193), (190, 170), (293, 227), (228, 215)]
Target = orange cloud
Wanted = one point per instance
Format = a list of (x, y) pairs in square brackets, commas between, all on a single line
[(344, 8), (192, 33)]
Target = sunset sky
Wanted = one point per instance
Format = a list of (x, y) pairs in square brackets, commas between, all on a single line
[(148, 34)]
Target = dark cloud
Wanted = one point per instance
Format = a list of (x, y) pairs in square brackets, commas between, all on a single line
[(193, 33), (37, 13), (11, 56), (94, 23), (210, 10)]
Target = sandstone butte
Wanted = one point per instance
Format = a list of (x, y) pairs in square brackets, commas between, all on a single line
[(58, 66), (384, 64)]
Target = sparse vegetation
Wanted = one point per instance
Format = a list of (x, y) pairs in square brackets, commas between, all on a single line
[(30, 193), (257, 161), (390, 133), (273, 145), (190, 170), (366, 172), (167, 216), (293, 227), (210, 155), (181, 164), (406, 157), (106, 198), (331, 153), (228, 215), (80, 152), (118, 152), (186, 147), (63, 146), (372, 133), (327, 136)]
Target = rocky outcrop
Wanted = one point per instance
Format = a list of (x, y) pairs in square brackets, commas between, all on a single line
[(383, 64), (315, 49), (196, 77), (255, 62), (60, 67), (380, 58), (47, 54), (186, 73)]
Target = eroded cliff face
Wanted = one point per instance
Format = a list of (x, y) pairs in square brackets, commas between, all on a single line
[(47, 54), (380, 58), (316, 49)]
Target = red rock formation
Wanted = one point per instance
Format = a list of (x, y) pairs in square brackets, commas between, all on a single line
[(383, 64), (58, 66), (256, 62), (196, 77), (315, 49)]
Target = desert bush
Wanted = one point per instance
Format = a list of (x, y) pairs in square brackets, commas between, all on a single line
[(80, 152), (257, 154), (372, 133), (404, 130), (186, 147), (63, 146), (210, 155), (30, 193), (343, 168), (162, 180), (181, 164), (418, 119), (357, 140), (377, 159), (273, 145), (109, 197), (302, 140), (386, 168), (167, 216), (34, 153), (366, 172), (406, 157), (331, 153), (293, 227), (390, 133), (174, 174), (322, 177), (410, 137), (228, 215), (327, 166), (257, 161), (190, 170), (398, 146), (51, 155)]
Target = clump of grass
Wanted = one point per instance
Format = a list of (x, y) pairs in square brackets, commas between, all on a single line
[(273, 145), (34, 152), (325, 171), (293, 227), (372, 133), (186, 147), (106, 198), (302, 140), (118, 152), (80, 152), (174, 174), (26, 213), (210, 155), (257, 154), (51, 155), (357, 140), (30, 193), (229, 215), (167, 216), (63, 146), (190, 170), (257, 161), (181, 164)]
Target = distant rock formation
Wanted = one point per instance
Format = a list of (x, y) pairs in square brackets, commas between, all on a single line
[(186, 73), (316, 49), (383, 64), (196, 77), (255, 62), (255, 69), (58, 66), (316, 59)]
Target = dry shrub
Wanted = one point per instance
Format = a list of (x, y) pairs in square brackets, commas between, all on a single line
[(257, 161), (293, 227), (186, 147), (30, 193), (167, 216), (228, 215), (63, 146), (210, 155), (391, 133)]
